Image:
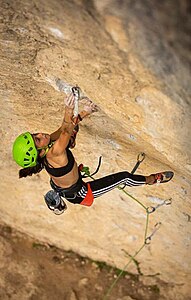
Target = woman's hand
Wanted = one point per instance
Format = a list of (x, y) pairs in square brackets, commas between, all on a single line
[(89, 106), (70, 101)]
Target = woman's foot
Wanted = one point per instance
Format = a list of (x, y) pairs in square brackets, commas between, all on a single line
[(159, 177)]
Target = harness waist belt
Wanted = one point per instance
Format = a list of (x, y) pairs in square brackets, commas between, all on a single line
[(76, 187)]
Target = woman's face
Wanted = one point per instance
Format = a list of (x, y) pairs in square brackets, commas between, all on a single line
[(41, 140)]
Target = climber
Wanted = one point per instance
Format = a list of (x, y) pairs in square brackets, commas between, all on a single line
[(33, 152)]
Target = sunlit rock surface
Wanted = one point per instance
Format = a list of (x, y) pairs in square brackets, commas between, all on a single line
[(134, 63)]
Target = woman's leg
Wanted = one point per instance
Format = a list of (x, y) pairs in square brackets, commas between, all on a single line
[(107, 183)]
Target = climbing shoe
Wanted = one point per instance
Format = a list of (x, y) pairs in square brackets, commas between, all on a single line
[(162, 177)]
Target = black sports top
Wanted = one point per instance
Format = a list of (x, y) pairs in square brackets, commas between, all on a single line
[(61, 171)]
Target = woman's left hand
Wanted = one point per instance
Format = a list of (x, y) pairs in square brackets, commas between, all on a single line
[(89, 106)]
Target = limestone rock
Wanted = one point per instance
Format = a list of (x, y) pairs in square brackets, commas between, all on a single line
[(129, 63)]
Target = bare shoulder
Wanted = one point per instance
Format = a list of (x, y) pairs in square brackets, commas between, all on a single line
[(60, 145), (56, 157)]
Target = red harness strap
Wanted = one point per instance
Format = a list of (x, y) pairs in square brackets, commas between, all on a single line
[(89, 199)]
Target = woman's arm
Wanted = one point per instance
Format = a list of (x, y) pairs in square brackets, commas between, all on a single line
[(66, 123), (63, 134), (68, 117), (55, 135)]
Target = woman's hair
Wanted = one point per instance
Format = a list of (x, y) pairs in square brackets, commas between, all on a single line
[(32, 170)]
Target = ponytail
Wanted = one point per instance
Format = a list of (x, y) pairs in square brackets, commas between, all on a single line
[(32, 170)]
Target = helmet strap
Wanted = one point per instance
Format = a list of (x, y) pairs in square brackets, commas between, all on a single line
[(46, 148)]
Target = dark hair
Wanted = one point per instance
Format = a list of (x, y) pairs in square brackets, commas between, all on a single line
[(32, 170)]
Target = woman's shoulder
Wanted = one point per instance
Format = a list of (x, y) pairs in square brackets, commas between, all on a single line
[(55, 152), (59, 146)]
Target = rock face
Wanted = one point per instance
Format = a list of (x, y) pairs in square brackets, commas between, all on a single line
[(128, 59)]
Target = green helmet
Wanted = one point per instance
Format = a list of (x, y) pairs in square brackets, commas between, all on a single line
[(24, 151)]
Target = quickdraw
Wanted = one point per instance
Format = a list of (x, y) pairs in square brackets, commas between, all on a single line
[(76, 93), (156, 228), (141, 156), (151, 209), (86, 170)]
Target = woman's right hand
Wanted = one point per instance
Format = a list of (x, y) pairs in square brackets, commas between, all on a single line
[(70, 101)]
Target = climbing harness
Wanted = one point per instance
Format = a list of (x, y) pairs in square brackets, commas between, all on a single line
[(54, 197)]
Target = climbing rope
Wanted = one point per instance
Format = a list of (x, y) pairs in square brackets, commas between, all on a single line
[(148, 210)]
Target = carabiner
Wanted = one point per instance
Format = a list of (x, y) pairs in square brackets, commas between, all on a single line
[(156, 228), (150, 209), (148, 240), (139, 158), (168, 201)]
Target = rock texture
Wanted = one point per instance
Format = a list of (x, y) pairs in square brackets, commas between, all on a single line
[(128, 59), (31, 270)]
